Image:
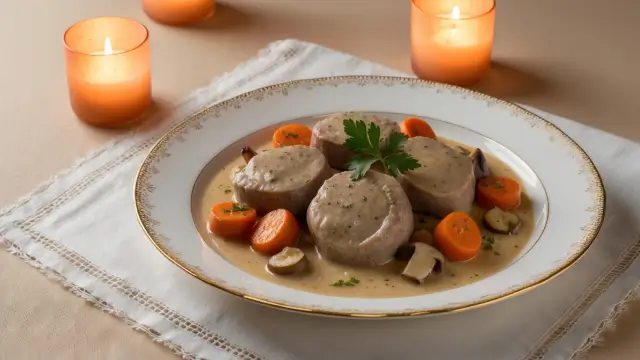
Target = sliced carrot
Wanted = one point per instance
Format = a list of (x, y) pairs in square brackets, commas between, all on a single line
[(292, 134), (498, 192), (232, 220), (275, 231), (458, 237), (413, 127)]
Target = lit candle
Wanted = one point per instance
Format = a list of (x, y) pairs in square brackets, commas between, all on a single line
[(453, 47), (179, 12), (108, 70)]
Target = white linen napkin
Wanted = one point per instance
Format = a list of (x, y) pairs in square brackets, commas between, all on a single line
[(81, 229)]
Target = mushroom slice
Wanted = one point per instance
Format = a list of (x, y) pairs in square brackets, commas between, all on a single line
[(248, 153), (288, 261), (480, 166), (425, 260), (502, 222), (422, 236)]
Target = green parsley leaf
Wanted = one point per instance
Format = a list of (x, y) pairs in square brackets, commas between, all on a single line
[(360, 164), (358, 140), (400, 162), (395, 143), (364, 141), (351, 282), (292, 135)]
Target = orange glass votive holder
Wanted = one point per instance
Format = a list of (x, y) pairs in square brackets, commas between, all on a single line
[(451, 40), (108, 64), (179, 12)]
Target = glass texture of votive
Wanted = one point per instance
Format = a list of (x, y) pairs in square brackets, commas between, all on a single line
[(108, 67), (451, 40)]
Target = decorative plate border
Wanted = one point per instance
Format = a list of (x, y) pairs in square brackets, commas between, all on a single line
[(143, 187)]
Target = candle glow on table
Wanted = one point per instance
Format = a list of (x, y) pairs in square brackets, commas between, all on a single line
[(108, 70), (455, 46), (179, 12)]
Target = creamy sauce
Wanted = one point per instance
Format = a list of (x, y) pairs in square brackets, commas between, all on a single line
[(378, 282)]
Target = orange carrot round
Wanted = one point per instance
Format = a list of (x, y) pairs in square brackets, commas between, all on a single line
[(413, 127), (275, 231), (498, 192), (232, 220), (292, 134), (458, 237)]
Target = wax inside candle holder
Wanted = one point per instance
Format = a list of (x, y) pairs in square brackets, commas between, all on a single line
[(108, 70), (179, 12), (452, 40)]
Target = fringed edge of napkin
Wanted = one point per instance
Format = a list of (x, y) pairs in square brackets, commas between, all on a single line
[(608, 324), (95, 301)]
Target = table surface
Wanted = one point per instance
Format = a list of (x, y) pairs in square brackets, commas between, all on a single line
[(575, 58)]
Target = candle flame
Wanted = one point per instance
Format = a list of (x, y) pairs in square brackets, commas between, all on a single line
[(107, 46), (455, 13)]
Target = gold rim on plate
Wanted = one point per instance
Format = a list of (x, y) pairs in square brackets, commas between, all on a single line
[(591, 232)]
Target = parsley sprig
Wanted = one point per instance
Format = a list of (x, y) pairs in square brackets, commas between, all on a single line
[(364, 141), (351, 282)]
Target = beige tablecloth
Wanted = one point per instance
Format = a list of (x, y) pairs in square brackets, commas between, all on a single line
[(574, 58)]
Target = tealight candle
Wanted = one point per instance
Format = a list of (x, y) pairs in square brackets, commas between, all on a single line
[(108, 70), (451, 41), (179, 12)]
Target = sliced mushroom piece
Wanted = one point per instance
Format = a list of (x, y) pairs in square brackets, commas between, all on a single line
[(288, 261), (248, 153), (480, 165), (502, 222), (422, 236), (425, 260)]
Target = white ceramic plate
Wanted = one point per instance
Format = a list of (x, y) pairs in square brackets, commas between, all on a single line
[(563, 183)]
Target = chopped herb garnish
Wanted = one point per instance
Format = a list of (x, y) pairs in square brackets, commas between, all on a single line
[(347, 206), (487, 242), (498, 185), (235, 207), (365, 143), (291, 135), (227, 191), (351, 282)]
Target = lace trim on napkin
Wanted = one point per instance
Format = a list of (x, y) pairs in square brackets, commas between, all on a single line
[(575, 312)]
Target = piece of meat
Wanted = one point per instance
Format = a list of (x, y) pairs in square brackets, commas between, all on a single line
[(282, 178), (444, 182), (360, 222), (329, 136)]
